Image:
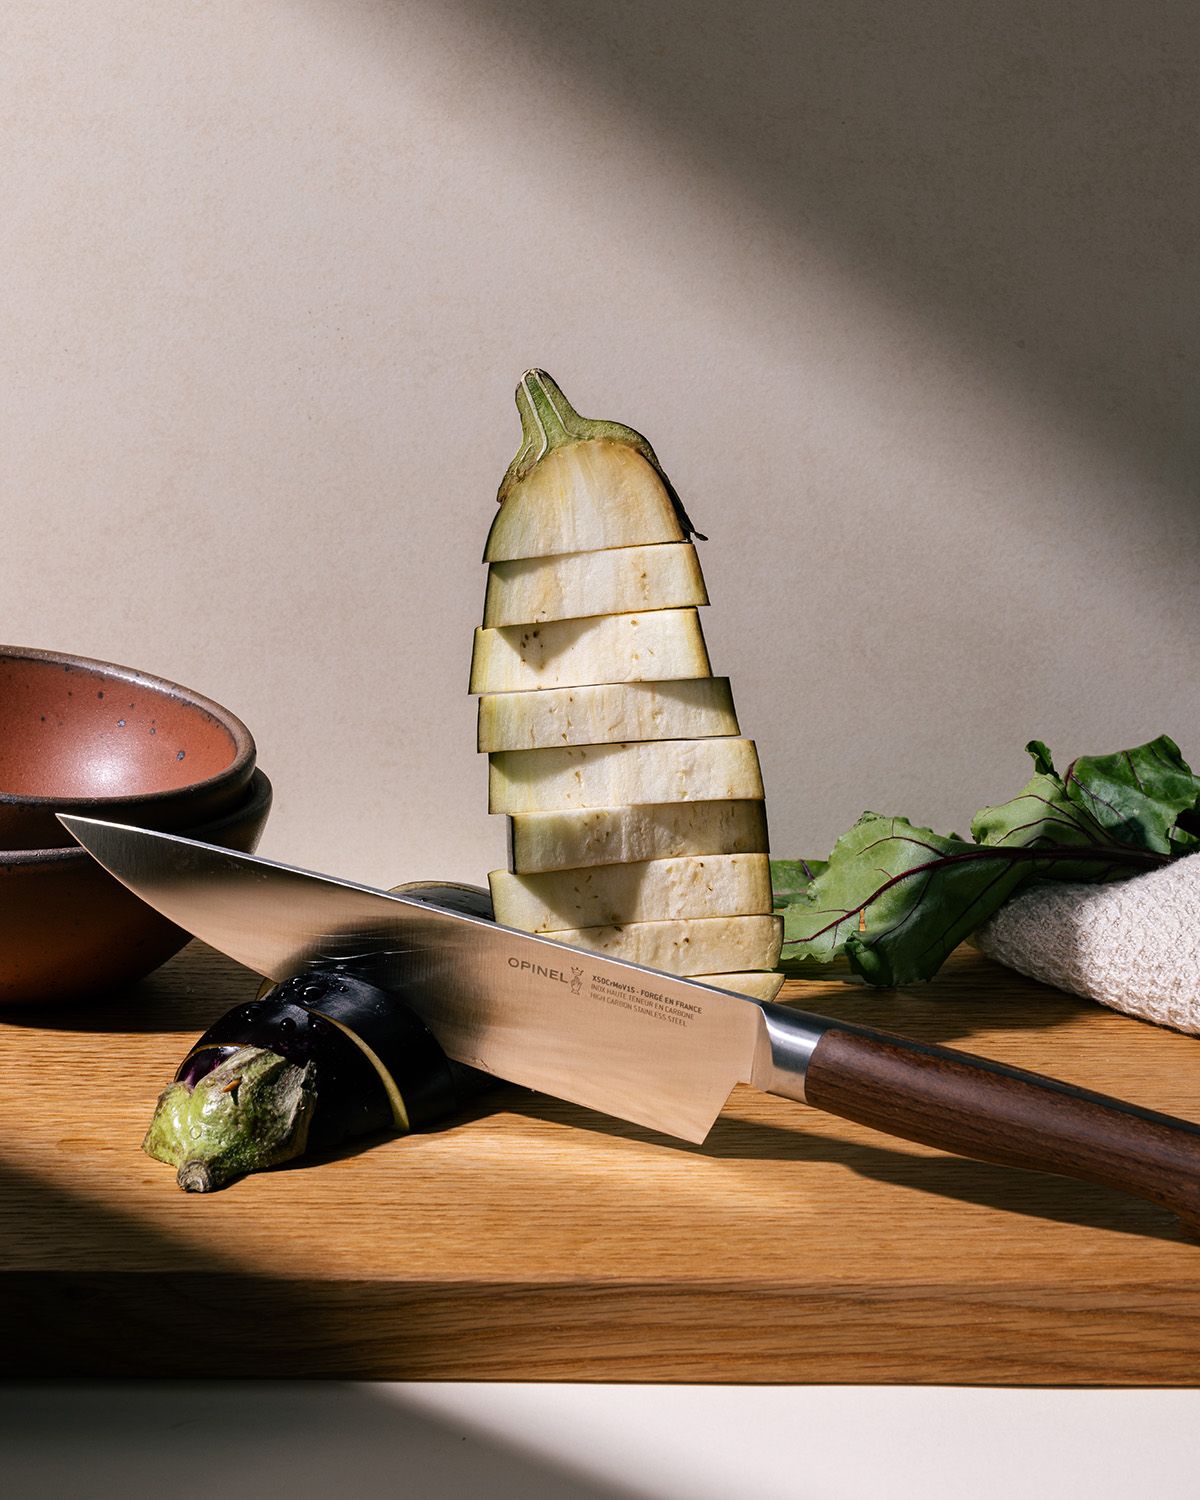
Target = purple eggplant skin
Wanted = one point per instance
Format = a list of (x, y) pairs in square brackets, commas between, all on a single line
[(349, 1097), (298, 1020)]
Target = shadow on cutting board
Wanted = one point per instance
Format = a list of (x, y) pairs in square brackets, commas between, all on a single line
[(173, 998), (1038, 1195), (203, 1319), (971, 994)]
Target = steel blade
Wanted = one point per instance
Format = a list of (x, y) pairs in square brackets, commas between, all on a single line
[(658, 1050)]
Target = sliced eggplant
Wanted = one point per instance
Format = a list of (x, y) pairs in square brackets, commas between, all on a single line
[(689, 946), (688, 708), (654, 890), (321, 1059), (621, 580), (636, 808), (625, 834), (580, 776), (654, 647), (579, 484), (759, 985)]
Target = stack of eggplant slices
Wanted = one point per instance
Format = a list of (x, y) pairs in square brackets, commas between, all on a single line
[(636, 813)]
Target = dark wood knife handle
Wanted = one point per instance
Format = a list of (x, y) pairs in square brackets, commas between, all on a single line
[(973, 1107)]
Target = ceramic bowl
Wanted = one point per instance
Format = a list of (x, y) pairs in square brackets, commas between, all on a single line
[(69, 931), (90, 737)]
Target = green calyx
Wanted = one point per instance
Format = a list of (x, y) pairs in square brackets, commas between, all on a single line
[(549, 421), (252, 1111)]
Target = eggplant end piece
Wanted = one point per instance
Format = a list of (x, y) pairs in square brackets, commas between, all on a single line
[(252, 1111)]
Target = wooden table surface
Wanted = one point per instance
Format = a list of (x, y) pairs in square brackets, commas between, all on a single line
[(536, 1240)]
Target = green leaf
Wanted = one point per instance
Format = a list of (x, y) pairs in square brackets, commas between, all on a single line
[(895, 900), (1146, 797), (1041, 815), (790, 878), (898, 899)]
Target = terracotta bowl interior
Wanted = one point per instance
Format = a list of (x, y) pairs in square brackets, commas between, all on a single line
[(71, 732)]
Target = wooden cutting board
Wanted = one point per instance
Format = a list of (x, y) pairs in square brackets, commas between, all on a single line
[(539, 1241)]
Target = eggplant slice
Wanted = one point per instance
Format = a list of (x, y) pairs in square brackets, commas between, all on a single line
[(321, 1059)]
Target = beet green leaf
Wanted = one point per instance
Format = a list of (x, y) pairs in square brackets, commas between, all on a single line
[(895, 899), (1146, 797)]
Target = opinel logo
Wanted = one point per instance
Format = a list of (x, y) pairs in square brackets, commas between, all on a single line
[(524, 963), (576, 980)]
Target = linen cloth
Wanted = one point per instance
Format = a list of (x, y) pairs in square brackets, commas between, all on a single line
[(1133, 945)]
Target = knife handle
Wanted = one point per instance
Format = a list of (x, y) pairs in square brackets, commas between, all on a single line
[(974, 1107)]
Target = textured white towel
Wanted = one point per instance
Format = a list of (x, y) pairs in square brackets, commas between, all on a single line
[(1134, 945)]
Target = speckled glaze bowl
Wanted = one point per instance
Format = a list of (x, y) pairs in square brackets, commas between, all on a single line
[(69, 931), (105, 741)]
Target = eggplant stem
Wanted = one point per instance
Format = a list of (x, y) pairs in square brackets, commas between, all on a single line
[(194, 1177)]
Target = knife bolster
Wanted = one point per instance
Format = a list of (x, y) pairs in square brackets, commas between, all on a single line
[(787, 1040)]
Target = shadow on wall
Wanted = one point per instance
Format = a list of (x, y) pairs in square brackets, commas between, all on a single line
[(1020, 177)]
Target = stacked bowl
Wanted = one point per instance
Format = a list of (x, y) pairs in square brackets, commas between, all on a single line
[(111, 742)]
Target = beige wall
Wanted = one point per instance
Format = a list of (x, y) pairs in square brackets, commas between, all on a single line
[(904, 295)]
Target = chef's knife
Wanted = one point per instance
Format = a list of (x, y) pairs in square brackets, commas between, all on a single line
[(653, 1048)]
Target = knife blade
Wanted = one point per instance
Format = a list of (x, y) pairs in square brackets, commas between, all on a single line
[(523, 1008), (644, 1046)]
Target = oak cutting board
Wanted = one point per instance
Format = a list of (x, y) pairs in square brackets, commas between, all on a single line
[(534, 1240)]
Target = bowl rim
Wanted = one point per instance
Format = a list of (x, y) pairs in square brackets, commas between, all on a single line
[(260, 793), (245, 751)]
